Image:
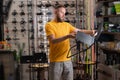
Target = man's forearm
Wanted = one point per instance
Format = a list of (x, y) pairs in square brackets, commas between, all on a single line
[(57, 40), (87, 31)]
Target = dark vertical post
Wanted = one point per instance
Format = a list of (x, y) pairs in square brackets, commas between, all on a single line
[(1, 20)]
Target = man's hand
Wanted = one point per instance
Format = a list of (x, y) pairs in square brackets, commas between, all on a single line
[(94, 33), (72, 35)]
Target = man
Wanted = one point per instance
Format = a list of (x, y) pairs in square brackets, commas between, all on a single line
[(58, 33)]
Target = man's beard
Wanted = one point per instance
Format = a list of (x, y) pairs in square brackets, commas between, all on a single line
[(59, 19)]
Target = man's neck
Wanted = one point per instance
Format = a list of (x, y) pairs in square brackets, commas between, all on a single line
[(55, 19)]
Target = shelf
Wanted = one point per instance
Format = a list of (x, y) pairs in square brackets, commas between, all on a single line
[(110, 51), (105, 16), (112, 33), (107, 0), (6, 51)]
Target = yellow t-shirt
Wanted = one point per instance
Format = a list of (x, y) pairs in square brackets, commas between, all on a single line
[(59, 51)]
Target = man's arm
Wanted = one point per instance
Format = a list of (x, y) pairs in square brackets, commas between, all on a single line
[(88, 31), (54, 40), (91, 32)]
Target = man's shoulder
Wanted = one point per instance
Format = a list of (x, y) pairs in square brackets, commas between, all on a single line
[(66, 22), (50, 22), (54, 23)]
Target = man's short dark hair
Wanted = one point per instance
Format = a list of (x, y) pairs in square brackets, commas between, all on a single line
[(58, 6)]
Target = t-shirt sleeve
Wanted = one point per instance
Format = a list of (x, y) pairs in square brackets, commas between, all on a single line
[(48, 29), (72, 28)]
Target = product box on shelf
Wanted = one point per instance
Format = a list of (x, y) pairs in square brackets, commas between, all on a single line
[(117, 7)]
